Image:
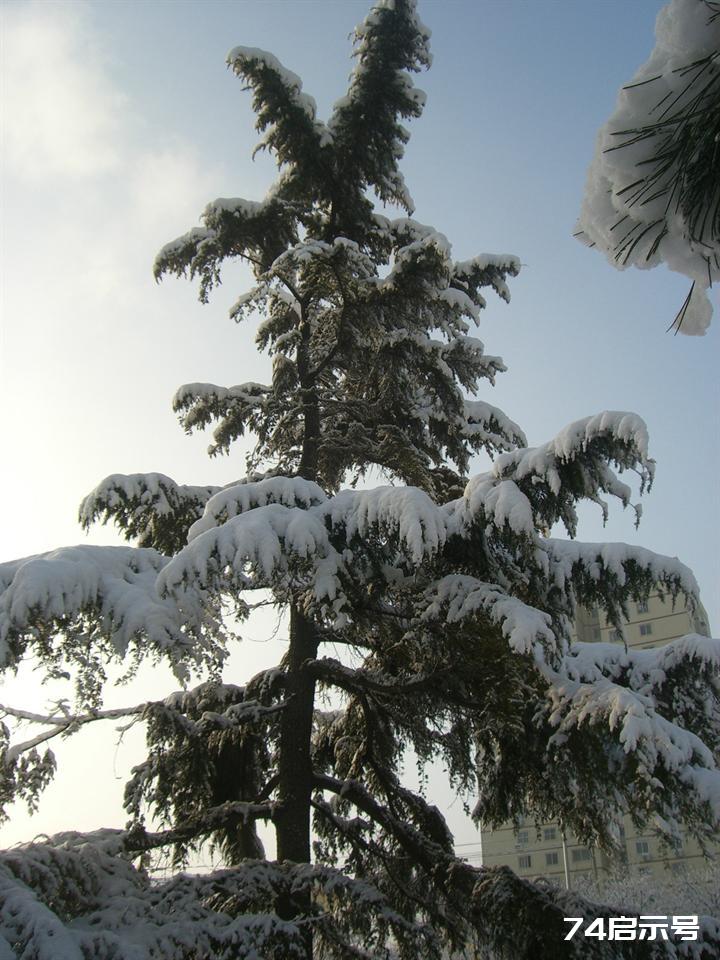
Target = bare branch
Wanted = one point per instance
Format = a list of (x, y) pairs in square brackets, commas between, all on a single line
[(68, 719), (61, 725)]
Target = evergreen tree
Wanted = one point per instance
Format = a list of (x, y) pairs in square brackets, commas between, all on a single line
[(450, 602)]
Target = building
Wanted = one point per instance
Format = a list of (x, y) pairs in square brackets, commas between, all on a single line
[(533, 851), (652, 623)]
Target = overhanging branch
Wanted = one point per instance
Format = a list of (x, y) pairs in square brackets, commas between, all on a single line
[(139, 840)]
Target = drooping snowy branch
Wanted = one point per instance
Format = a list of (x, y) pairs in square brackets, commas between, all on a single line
[(531, 488), (612, 573), (668, 675), (456, 598), (241, 497), (149, 507), (256, 231), (73, 896), (83, 604), (260, 547), (652, 194), (493, 428), (244, 407)]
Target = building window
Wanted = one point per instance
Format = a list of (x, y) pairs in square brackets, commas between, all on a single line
[(645, 629), (582, 853), (642, 847), (549, 833), (522, 838), (642, 607), (551, 859), (525, 861)]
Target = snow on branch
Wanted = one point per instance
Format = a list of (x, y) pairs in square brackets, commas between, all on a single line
[(429, 253), (238, 408), (501, 502), (465, 277), (653, 190), (458, 597), (488, 270), (237, 710), (178, 254), (148, 506), (76, 603), (76, 896), (369, 139), (59, 724), (669, 675), (645, 670), (241, 497), (246, 60), (488, 425), (255, 231), (626, 430), (284, 111), (612, 571), (256, 548), (530, 488), (652, 738), (311, 251), (261, 546), (404, 512), (672, 770), (236, 811)]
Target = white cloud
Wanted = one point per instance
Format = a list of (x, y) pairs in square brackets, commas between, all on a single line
[(90, 193), (60, 111)]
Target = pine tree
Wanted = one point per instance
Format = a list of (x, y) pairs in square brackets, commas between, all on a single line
[(450, 603)]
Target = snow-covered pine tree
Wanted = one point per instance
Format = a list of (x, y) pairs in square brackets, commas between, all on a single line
[(436, 612)]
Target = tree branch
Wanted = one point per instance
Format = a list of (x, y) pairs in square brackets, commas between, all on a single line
[(269, 787), (67, 719), (60, 725), (426, 853), (138, 840), (360, 843), (355, 681)]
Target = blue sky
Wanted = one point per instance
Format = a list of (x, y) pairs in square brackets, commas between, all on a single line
[(122, 121)]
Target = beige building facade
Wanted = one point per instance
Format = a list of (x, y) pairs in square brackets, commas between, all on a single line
[(542, 851)]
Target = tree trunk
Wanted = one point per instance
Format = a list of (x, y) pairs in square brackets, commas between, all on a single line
[(295, 771), (295, 761)]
